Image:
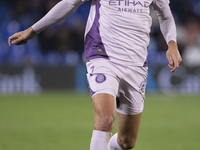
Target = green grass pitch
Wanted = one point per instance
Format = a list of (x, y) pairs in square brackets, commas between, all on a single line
[(64, 121)]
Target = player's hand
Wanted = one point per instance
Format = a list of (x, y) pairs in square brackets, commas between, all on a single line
[(22, 37), (173, 56)]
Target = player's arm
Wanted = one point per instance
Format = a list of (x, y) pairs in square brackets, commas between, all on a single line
[(59, 12), (168, 29)]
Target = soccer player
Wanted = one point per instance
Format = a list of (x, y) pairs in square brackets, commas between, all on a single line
[(116, 41)]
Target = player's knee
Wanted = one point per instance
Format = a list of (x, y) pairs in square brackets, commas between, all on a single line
[(127, 143), (104, 122)]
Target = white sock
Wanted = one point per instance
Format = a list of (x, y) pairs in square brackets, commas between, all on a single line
[(113, 143), (100, 140)]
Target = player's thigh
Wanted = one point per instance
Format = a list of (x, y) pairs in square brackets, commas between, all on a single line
[(104, 111), (104, 104), (128, 126)]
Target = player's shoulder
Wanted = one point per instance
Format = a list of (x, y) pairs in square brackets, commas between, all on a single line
[(161, 0), (160, 3)]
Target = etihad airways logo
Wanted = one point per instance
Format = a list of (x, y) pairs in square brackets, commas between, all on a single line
[(129, 3)]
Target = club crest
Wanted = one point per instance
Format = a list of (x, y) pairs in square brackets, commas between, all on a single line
[(100, 78)]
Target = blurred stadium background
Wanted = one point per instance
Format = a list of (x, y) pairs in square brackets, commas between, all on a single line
[(43, 87)]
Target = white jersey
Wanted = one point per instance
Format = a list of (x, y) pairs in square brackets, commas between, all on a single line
[(118, 30)]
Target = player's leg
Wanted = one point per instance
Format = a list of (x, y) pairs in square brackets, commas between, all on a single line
[(104, 114), (131, 104), (128, 126), (104, 111), (104, 85)]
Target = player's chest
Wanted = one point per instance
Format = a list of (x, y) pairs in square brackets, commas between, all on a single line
[(128, 6), (130, 3)]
